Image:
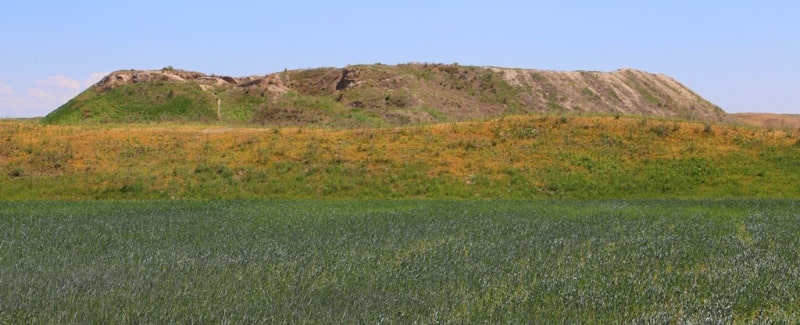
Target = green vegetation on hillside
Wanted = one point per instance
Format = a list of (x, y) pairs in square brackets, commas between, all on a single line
[(137, 103), (513, 157), (532, 262)]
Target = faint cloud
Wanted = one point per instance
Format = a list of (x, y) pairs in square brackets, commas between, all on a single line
[(42, 95), (93, 78), (45, 96), (59, 89), (5, 89), (61, 83), (54, 91), (16, 105), (8, 102)]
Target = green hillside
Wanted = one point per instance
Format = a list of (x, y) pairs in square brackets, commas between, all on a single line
[(141, 102)]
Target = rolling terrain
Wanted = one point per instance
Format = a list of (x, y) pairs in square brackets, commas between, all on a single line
[(528, 156), (378, 96)]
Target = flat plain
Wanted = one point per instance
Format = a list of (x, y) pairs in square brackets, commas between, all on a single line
[(400, 261)]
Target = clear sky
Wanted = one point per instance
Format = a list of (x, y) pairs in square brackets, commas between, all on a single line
[(742, 55)]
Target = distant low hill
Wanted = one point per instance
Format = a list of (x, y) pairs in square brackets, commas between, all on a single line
[(767, 120), (378, 95)]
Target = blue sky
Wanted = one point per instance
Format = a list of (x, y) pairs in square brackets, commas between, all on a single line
[(741, 55)]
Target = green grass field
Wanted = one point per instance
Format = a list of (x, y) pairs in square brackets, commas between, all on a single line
[(451, 261)]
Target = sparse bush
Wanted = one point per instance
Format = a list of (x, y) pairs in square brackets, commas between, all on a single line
[(16, 172), (523, 131), (7, 148), (708, 129), (552, 105), (52, 158), (663, 130)]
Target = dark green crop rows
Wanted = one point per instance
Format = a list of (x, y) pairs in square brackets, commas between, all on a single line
[(659, 261)]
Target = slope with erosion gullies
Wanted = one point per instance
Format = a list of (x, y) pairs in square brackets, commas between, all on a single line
[(378, 95)]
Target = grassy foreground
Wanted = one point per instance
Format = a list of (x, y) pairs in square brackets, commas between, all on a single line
[(657, 261), (512, 157)]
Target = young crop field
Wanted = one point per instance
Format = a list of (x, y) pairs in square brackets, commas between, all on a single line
[(426, 261)]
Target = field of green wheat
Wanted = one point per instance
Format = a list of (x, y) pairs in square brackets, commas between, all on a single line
[(427, 261)]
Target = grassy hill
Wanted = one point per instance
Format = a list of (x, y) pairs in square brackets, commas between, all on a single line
[(512, 157), (377, 96)]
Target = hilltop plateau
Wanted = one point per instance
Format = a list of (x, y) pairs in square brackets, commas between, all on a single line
[(377, 96)]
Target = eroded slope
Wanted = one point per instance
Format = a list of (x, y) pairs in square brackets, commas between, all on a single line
[(379, 95)]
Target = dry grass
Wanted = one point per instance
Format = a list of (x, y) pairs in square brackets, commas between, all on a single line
[(767, 120), (513, 156)]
